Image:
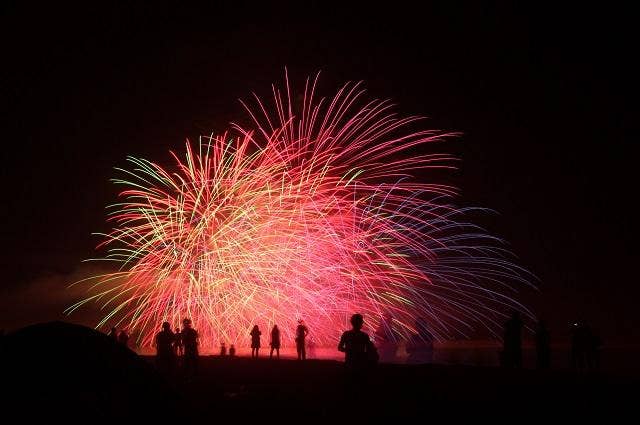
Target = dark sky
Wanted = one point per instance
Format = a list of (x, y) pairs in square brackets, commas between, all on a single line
[(545, 98)]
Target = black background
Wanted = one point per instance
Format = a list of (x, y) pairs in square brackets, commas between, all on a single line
[(545, 97)]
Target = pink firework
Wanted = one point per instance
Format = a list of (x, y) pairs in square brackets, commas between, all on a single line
[(312, 213)]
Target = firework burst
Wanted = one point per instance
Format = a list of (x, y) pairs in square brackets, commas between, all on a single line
[(311, 212)]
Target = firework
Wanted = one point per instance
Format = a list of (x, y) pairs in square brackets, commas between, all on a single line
[(311, 212)]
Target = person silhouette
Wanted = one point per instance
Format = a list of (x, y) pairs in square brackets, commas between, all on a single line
[(190, 341), (255, 341), (360, 353), (232, 351), (177, 344), (165, 357), (311, 349), (123, 337), (420, 345), (301, 335), (275, 341), (114, 334), (585, 347), (595, 347), (385, 340), (512, 352), (580, 341), (543, 346), (223, 349)]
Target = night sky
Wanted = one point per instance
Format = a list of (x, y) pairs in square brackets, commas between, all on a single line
[(544, 98)]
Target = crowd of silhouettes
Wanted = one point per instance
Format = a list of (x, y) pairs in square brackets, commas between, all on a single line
[(585, 345), (121, 337), (301, 333), (179, 349)]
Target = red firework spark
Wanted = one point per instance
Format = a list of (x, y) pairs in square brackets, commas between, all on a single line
[(312, 213)]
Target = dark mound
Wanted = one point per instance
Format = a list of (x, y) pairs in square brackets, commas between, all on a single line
[(62, 371)]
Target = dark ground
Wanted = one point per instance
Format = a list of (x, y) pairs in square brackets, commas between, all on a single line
[(58, 372), (315, 391)]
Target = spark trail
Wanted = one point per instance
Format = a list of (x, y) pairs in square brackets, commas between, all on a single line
[(312, 212)]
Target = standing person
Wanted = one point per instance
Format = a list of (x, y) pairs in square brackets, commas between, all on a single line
[(114, 334), (177, 345), (165, 357), (385, 340), (123, 337), (232, 351), (223, 349), (595, 347), (420, 346), (360, 353), (543, 346), (190, 342), (275, 341), (311, 349), (255, 341), (512, 353), (301, 335)]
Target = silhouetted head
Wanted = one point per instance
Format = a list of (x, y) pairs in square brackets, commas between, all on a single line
[(186, 323), (255, 328), (166, 326), (357, 321), (275, 327), (177, 330), (114, 330), (515, 315)]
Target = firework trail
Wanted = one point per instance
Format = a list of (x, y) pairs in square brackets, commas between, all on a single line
[(312, 212)]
